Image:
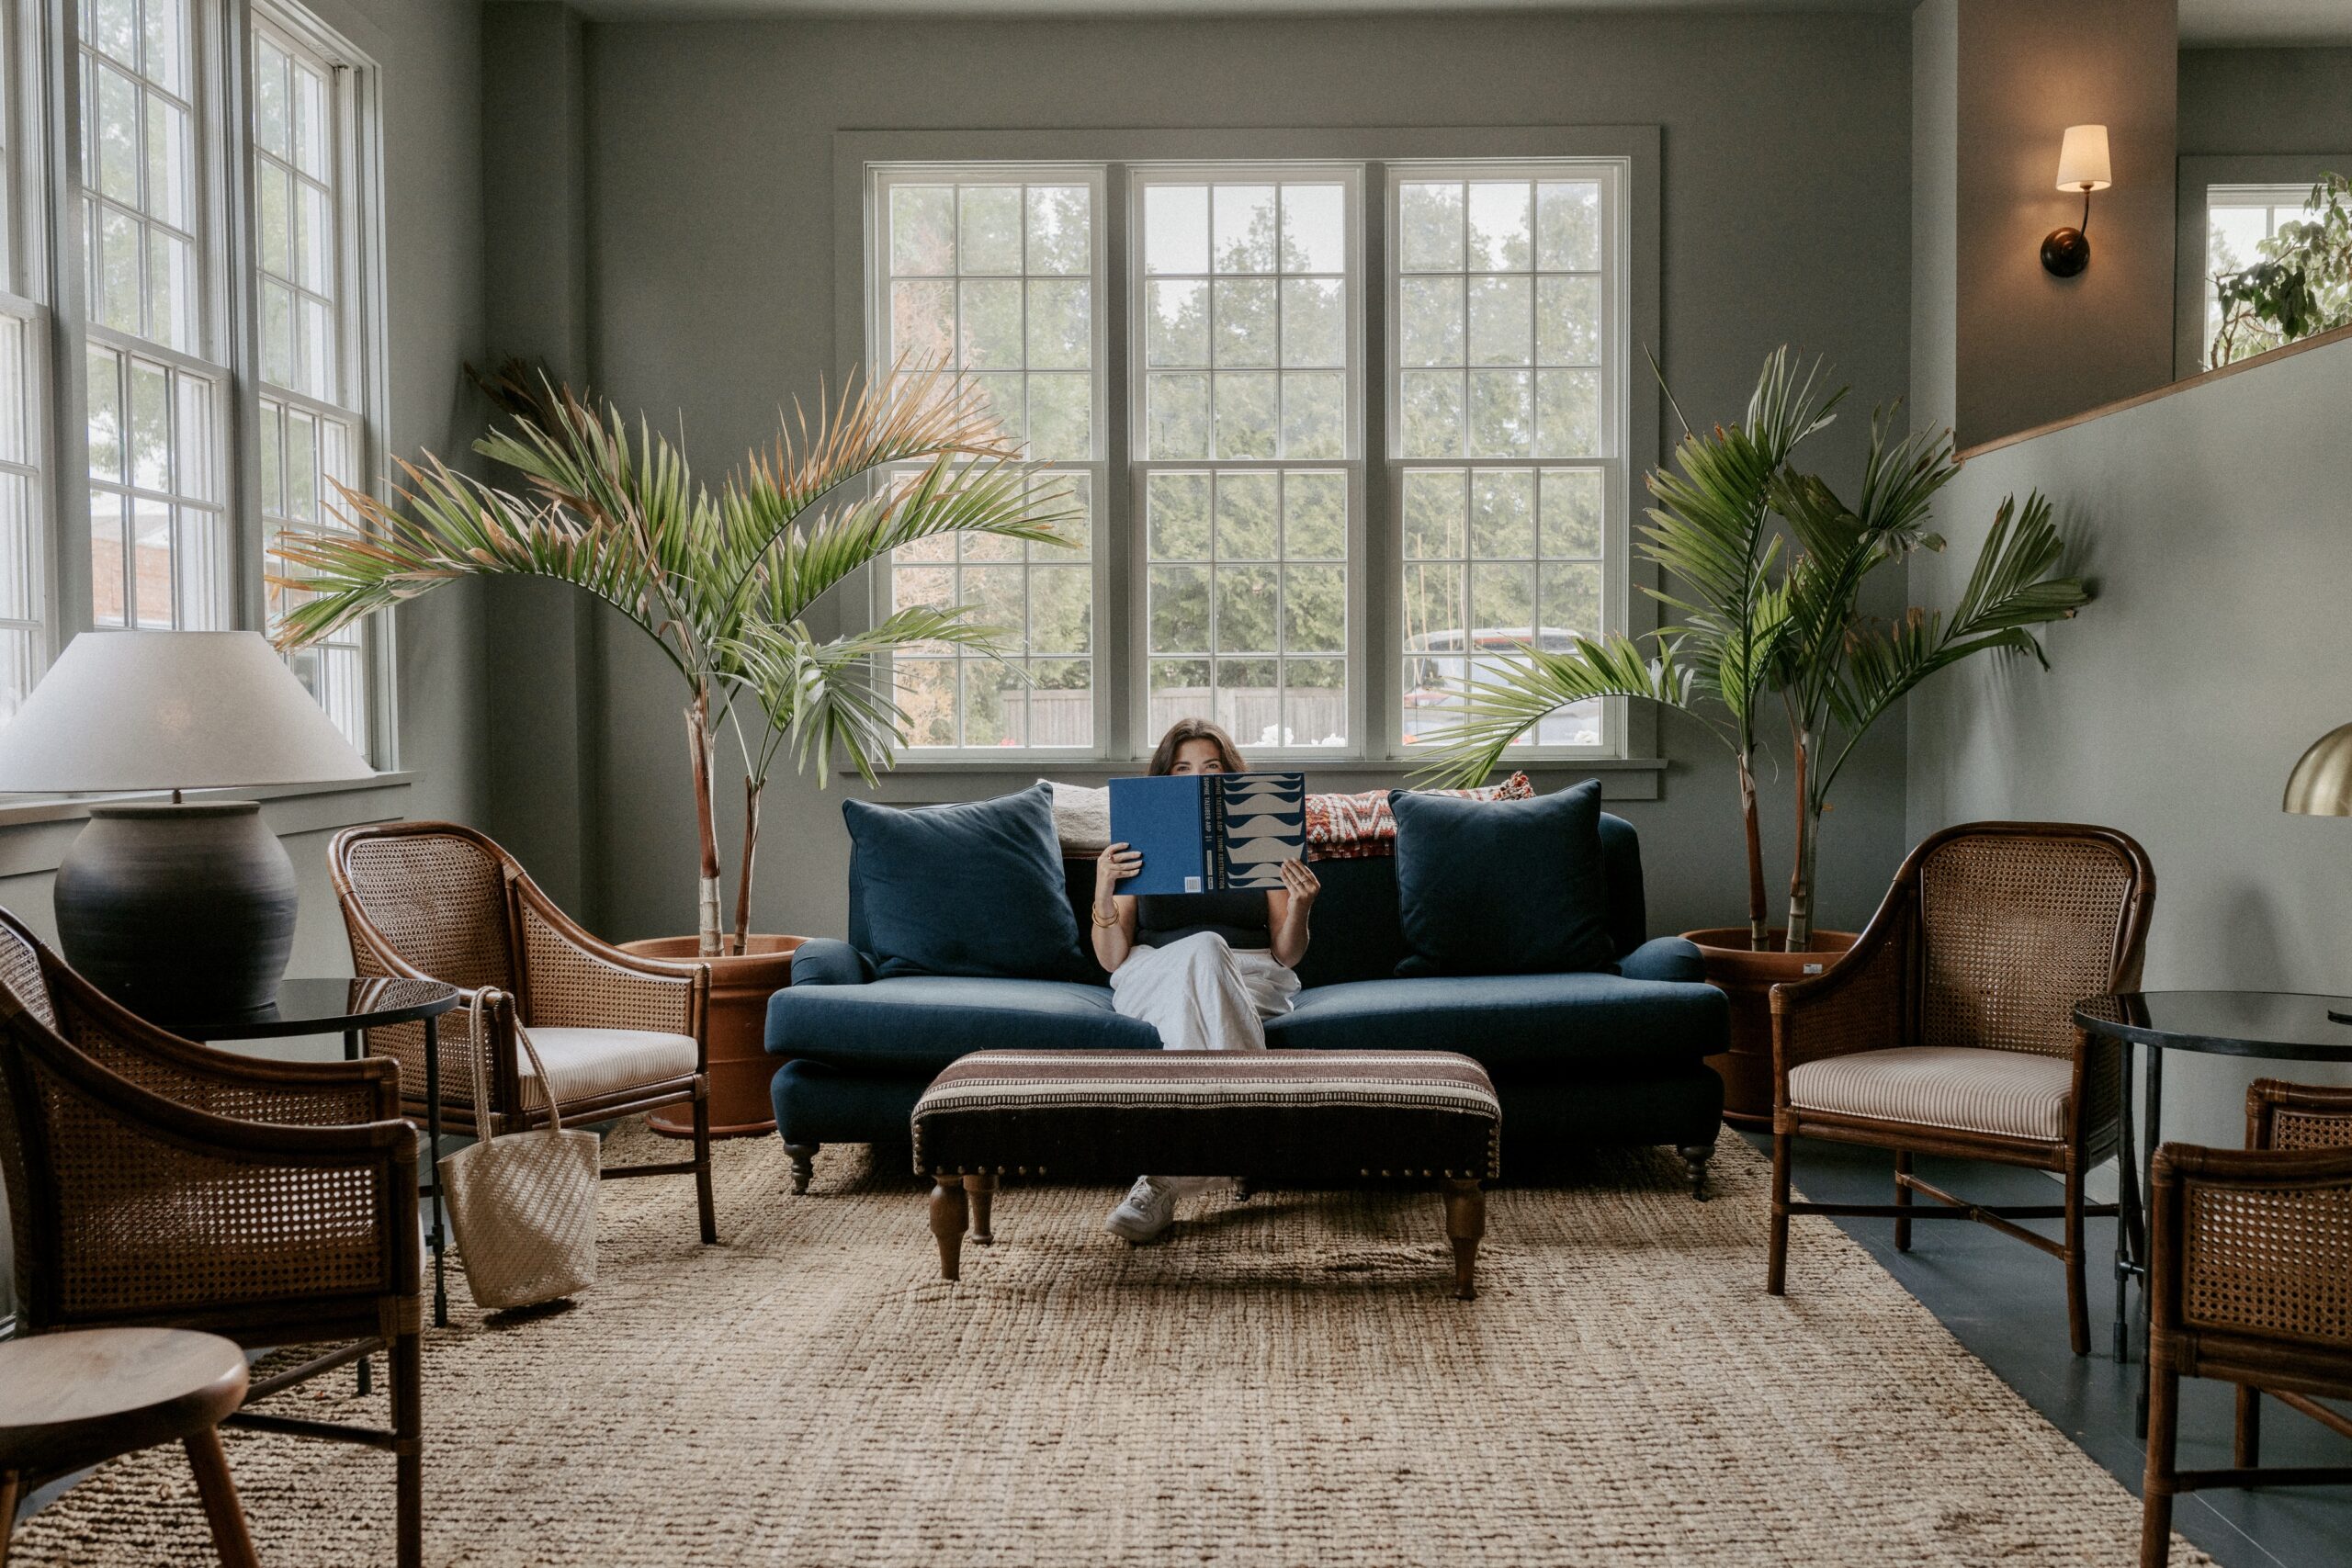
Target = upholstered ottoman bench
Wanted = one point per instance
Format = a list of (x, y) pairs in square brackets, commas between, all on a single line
[(1293, 1118)]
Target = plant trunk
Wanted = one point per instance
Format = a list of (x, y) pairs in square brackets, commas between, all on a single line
[(700, 740), (1756, 938), (743, 865), (1801, 876)]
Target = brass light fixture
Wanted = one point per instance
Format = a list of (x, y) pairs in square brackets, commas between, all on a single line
[(2083, 165), (2321, 786)]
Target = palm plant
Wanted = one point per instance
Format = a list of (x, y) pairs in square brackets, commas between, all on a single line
[(720, 580), (1758, 620)]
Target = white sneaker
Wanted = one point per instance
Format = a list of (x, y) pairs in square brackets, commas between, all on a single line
[(1149, 1208)]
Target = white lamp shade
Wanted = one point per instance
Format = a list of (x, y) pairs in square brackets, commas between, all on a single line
[(2082, 160), (171, 710)]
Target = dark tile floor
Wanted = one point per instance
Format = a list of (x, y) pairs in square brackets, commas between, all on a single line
[(2007, 1303)]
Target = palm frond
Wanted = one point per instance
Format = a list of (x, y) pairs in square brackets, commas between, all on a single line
[(1533, 684)]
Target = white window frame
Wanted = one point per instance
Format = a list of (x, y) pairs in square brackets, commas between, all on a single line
[(1614, 176), (1629, 761), (43, 281), (876, 290), (360, 369), (1137, 605)]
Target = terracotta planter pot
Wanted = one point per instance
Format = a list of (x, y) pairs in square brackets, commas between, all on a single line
[(741, 985), (1747, 979)]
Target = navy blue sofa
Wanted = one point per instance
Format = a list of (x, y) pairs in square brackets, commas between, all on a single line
[(1578, 1059)]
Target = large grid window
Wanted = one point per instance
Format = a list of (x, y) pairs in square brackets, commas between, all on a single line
[(1233, 478), (1248, 371), (312, 424), (1502, 330), (999, 279), (23, 329), (159, 534), (210, 381)]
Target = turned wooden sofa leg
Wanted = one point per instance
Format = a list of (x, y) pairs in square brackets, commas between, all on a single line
[(1465, 1222), (804, 1164), (978, 1191), (948, 1217), (1694, 1160)]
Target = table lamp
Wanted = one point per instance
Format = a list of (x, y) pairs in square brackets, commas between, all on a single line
[(182, 911), (2321, 786)]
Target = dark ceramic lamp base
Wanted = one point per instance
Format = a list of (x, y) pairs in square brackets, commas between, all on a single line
[(182, 913)]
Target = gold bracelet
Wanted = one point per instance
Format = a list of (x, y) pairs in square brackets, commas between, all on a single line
[(1099, 921)]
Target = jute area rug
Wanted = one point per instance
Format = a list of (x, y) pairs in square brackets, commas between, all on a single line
[(1288, 1380)]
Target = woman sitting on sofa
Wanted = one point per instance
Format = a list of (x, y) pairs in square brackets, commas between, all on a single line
[(1204, 969)]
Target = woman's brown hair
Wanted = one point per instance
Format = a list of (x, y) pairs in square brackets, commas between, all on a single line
[(1229, 756)]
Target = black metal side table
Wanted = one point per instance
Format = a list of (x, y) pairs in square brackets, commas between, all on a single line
[(347, 1007), (2271, 1026)]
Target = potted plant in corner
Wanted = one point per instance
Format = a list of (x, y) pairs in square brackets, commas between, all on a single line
[(722, 582), (1765, 570)]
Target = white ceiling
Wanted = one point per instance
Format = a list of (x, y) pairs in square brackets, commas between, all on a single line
[(2201, 22)]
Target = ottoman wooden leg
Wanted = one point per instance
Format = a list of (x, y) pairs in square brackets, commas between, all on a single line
[(1465, 1222), (978, 1191), (947, 1224)]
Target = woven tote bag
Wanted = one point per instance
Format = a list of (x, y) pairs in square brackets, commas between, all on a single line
[(523, 1204)]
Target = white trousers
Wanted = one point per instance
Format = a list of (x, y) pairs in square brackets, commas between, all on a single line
[(1203, 995)]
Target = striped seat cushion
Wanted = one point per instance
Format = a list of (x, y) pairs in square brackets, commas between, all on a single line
[(2015, 1094), (1277, 1115)]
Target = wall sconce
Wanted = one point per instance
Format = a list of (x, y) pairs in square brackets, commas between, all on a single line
[(2083, 165)]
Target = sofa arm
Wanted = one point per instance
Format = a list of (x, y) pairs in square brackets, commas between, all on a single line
[(1664, 958), (829, 961)]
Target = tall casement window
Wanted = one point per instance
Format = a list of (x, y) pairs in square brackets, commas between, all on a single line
[(1264, 455), (1244, 449), (1501, 426), (312, 413), (25, 506), (216, 286), (159, 533), (998, 276)]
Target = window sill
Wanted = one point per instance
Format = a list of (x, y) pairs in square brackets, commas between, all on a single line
[(932, 783), (35, 831)]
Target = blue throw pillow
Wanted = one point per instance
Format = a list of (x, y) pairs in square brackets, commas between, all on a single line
[(1502, 886), (973, 888)]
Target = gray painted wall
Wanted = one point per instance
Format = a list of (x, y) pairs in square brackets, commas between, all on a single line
[(1935, 210), (2266, 100), (2217, 524), (2030, 347), (712, 249)]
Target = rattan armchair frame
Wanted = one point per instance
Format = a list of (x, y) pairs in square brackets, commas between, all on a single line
[(1876, 997), (306, 1234), (2227, 1226), (550, 971)]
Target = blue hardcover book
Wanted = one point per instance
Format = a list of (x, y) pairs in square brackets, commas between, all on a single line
[(1209, 832)]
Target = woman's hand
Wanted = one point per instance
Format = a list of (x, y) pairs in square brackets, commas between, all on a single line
[(1111, 867), (1301, 883), (1288, 909)]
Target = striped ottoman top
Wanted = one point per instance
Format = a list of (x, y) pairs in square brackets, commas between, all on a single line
[(1303, 1115)]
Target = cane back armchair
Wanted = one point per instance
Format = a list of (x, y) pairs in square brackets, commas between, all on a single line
[(1948, 1029), (618, 1033), (153, 1182), (2250, 1282)]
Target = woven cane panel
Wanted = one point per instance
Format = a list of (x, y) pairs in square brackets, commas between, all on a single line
[(441, 903), (2016, 931), (2309, 1128), (2269, 1261), (20, 972), (572, 990), (145, 1223), (1864, 1014), (321, 1105)]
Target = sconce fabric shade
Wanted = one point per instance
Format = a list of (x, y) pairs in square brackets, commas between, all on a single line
[(2082, 163), (2320, 785), (171, 710)]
